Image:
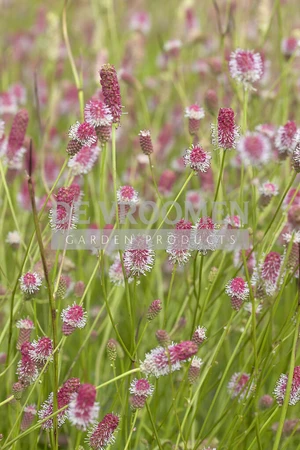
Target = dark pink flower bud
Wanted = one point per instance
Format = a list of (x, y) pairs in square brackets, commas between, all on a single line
[(199, 335), (154, 309), (111, 348), (289, 46), (194, 113), (296, 158), (111, 91), (146, 142), (197, 158), (73, 147), (166, 182), (17, 135), (266, 401), (211, 101), (137, 401)]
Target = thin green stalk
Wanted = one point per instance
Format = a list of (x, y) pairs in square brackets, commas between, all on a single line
[(169, 295)]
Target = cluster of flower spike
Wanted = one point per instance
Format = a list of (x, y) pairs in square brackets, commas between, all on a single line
[(12, 148), (64, 215)]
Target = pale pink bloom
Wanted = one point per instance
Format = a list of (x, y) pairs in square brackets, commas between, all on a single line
[(154, 309), (25, 326), (239, 386), (138, 256), (255, 149), (83, 162), (280, 388), (140, 21), (268, 189), (83, 409), (115, 273), (127, 195), (83, 133), (97, 113), (73, 317), (289, 46), (28, 416), (30, 282), (141, 387), (286, 138), (41, 350), (172, 47), (246, 67)]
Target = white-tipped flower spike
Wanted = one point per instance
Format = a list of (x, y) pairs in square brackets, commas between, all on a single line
[(225, 134), (267, 191), (83, 409), (194, 113), (28, 417), (194, 369), (197, 158), (238, 386), (73, 317), (161, 361), (238, 291), (246, 67), (286, 138), (42, 350), (138, 256), (30, 282), (97, 114), (115, 273), (280, 388), (103, 434), (127, 195), (141, 387), (83, 162), (83, 133), (199, 335)]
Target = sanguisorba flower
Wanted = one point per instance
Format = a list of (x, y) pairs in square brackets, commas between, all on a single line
[(194, 369), (194, 113), (138, 256), (154, 309), (226, 133), (238, 386), (255, 149), (296, 158), (64, 395), (270, 271), (140, 390), (203, 237), (111, 91), (64, 215), (267, 191), (146, 142), (199, 335), (30, 283), (41, 350), (289, 46), (83, 133), (280, 388), (238, 291), (161, 361), (103, 434), (286, 139), (28, 417), (15, 149), (99, 116), (246, 67), (197, 158), (83, 409), (26, 370), (115, 273), (73, 317), (25, 326), (178, 243), (83, 162)]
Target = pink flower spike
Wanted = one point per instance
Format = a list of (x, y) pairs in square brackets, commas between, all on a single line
[(197, 158), (30, 282), (97, 114), (83, 410), (83, 133), (280, 388), (42, 350), (246, 67), (102, 435), (25, 326), (237, 287), (73, 317), (127, 195), (254, 149), (141, 387), (286, 138), (226, 134), (194, 113), (146, 142), (199, 335), (138, 256), (111, 91), (84, 160), (28, 417)]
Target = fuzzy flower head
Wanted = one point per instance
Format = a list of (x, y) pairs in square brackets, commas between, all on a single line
[(178, 243), (141, 387), (161, 361), (83, 133), (199, 335), (246, 67), (296, 158), (197, 158), (138, 256), (13, 238), (30, 282), (268, 189), (42, 350), (194, 369), (83, 409), (28, 416), (286, 138), (97, 113), (64, 396), (26, 370), (64, 215), (154, 309), (254, 149), (281, 385), (73, 317), (238, 386), (111, 91), (226, 133), (84, 160), (238, 291), (127, 195), (289, 46), (140, 21), (203, 237), (102, 435)]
